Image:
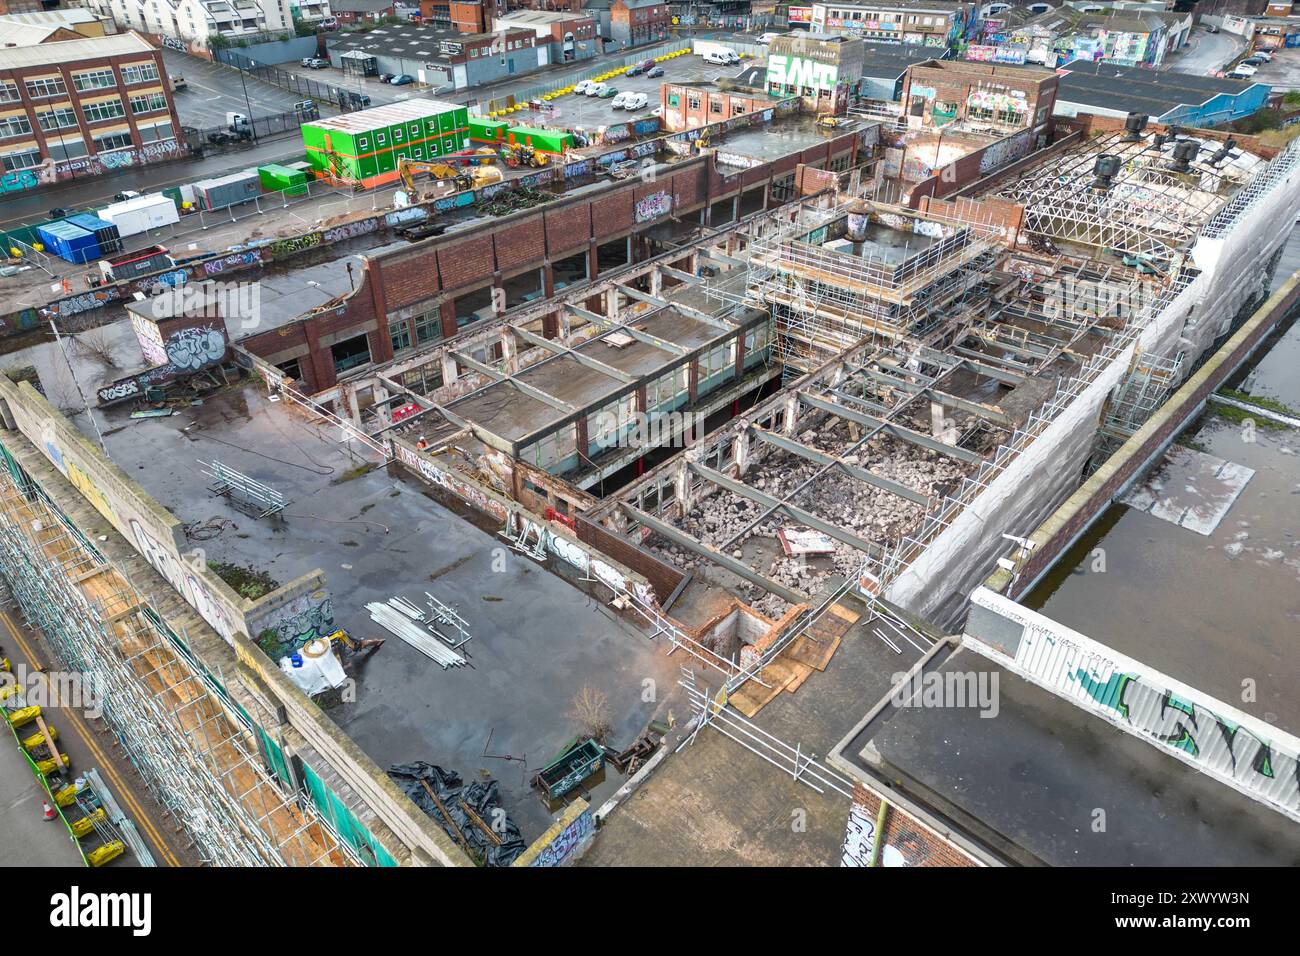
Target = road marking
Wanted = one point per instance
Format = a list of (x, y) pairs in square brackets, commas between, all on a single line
[(120, 787)]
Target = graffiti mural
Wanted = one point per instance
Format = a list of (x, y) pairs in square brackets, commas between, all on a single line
[(566, 841), (653, 206), (859, 837), (282, 247), (192, 348), (350, 230), (238, 260), (1229, 745), (303, 619)]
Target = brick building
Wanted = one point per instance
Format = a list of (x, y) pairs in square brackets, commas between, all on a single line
[(918, 22), (423, 293), (692, 105), (463, 16), (638, 22), (567, 36), (1009, 98), (76, 102)]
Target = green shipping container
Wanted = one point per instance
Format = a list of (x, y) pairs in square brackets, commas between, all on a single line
[(276, 178), (548, 141), (487, 130)]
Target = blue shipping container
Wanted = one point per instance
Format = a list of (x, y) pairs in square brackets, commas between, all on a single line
[(69, 242), (105, 232)]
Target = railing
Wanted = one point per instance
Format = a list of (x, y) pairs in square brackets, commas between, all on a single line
[(347, 431)]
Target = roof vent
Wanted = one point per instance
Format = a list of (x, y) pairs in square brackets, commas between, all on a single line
[(1107, 168), (1185, 154), (1224, 151), (1133, 127)]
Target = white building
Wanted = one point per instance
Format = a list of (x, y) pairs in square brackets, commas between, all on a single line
[(195, 20)]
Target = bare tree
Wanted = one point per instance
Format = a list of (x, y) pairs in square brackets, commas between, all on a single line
[(97, 342), (590, 710)]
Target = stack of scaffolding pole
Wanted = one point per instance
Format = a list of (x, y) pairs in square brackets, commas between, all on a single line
[(402, 626)]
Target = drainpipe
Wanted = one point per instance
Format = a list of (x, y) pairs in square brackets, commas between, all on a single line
[(880, 834)]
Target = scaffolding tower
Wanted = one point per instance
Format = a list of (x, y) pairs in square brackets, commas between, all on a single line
[(166, 712)]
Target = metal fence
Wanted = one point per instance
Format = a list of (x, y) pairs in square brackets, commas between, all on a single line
[(307, 89), (260, 127)]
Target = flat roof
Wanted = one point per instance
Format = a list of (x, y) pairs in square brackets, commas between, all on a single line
[(1036, 780), (389, 114), (70, 51)]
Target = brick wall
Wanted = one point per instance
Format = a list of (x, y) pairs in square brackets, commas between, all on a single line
[(663, 577)]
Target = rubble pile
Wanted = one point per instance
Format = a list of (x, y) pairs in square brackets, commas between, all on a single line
[(871, 513)]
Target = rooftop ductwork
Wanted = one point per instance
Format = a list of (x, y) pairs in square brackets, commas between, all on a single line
[(1184, 155), (1106, 169), (1134, 124)]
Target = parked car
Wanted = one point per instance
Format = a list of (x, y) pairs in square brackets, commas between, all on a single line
[(1242, 71), (634, 101), (657, 111), (330, 23), (1211, 29), (402, 79), (125, 194), (597, 89), (581, 87), (655, 71), (646, 65), (315, 63), (62, 212), (767, 38), (633, 70), (1255, 61), (620, 100), (385, 77), (178, 82), (607, 93), (1265, 55)]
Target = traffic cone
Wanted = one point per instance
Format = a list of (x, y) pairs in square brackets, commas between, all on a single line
[(49, 810)]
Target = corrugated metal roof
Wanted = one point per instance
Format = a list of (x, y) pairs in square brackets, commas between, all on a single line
[(69, 51)]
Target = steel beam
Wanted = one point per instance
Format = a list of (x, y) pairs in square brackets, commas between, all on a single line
[(853, 471), (691, 543), (794, 511), (529, 390), (557, 348), (898, 431)]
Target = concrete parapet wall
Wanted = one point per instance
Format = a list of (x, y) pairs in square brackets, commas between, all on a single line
[(563, 840)]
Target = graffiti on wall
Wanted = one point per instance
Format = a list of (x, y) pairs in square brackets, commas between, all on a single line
[(653, 206), (237, 260), (1259, 760), (566, 841), (859, 837), (350, 230), (998, 154), (303, 619), (184, 581), (800, 72)]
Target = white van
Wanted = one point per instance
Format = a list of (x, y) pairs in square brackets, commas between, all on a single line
[(721, 57)]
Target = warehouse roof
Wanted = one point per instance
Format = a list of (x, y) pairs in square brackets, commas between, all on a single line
[(410, 40), (1145, 91), (1190, 82), (70, 51)]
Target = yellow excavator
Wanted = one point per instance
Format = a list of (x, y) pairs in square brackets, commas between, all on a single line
[(521, 155), (474, 177)]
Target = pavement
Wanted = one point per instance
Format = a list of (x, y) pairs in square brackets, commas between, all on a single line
[(1205, 52), (1283, 71)]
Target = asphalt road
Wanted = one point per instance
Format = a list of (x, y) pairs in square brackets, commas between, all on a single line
[(87, 743), (1206, 52), (1283, 72), (214, 89)]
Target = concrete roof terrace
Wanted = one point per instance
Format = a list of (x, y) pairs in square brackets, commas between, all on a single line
[(376, 533)]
